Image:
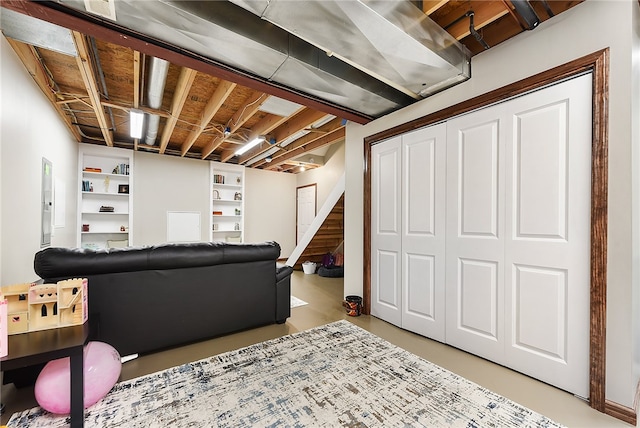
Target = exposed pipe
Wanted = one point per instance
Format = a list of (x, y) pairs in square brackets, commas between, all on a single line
[(474, 33), (158, 69), (103, 84), (472, 29)]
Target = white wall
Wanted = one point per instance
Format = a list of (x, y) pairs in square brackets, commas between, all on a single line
[(270, 208), (588, 27), (30, 129), (167, 183), (327, 175)]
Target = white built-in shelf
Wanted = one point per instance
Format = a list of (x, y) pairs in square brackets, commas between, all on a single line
[(228, 186), (105, 233), (226, 192), (103, 174), (105, 213), (101, 194), (106, 190), (238, 201)]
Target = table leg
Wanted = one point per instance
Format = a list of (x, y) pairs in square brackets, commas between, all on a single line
[(77, 389)]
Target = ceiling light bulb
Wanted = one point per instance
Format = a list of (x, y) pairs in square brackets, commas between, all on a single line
[(227, 131), (302, 168), (251, 144), (136, 120), (268, 159)]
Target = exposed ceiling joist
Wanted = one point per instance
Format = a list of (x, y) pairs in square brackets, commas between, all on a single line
[(248, 109), (221, 93), (430, 6), (488, 13), (265, 126), (311, 137), (187, 76), (89, 78), (331, 138)]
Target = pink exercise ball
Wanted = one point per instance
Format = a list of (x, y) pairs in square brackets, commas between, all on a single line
[(102, 368)]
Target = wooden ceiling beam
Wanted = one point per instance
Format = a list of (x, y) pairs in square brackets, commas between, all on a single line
[(30, 60), (331, 138), (296, 123), (89, 79), (266, 125), (136, 79), (248, 109), (430, 6), (512, 12), (185, 81), (218, 98), (485, 13), (306, 139)]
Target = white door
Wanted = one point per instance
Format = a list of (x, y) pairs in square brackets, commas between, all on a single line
[(306, 210), (547, 245), (386, 233), (423, 231), (518, 226), (475, 234)]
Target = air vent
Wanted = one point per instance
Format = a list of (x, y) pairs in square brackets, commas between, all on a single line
[(279, 106), (104, 8)]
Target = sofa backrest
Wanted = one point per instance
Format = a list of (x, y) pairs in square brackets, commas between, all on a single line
[(56, 262)]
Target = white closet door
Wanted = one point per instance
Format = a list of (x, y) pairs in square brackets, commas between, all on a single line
[(386, 233), (475, 233), (547, 252), (423, 231)]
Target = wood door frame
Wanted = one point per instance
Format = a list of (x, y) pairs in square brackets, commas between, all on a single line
[(315, 209), (597, 64)]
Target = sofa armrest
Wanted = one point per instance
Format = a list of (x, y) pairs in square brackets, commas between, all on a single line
[(283, 293), (282, 272)]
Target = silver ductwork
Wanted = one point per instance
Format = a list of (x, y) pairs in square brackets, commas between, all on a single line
[(372, 57), (392, 40), (158, 69)]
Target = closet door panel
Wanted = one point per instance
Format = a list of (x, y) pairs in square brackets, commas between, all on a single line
[(386, 231), (547, 253), (477, 287), (423, 236), (475, 234)]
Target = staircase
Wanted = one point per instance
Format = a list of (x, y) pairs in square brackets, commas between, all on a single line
[(328, 237)]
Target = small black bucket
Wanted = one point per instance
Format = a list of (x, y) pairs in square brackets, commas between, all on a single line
[(353, 305)]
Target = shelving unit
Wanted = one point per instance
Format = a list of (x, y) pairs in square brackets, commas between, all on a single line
[(105, 197), (227, 202)]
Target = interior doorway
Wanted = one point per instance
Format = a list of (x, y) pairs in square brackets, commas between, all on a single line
[(306, 206)]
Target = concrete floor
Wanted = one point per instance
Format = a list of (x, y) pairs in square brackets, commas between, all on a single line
[(324, 297)]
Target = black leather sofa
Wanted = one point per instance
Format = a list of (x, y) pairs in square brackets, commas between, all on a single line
[(149, 298)]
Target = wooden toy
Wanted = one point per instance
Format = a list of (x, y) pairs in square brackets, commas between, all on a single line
[(33, 307)]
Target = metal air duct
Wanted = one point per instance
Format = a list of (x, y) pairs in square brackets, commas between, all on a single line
[(371, 57), (392, 40), (158, 69)]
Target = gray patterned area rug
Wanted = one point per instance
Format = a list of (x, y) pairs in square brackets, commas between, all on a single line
[(334, 375)]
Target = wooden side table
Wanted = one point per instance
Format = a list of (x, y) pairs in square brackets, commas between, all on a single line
[(27, 349)]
